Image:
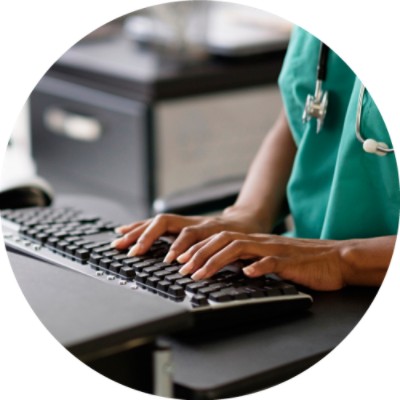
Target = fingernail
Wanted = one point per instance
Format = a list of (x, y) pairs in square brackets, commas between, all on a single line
[(248, 271), (197, 276), (136, 249), (170, 257), (186, 269), (114, 243), (183, 258), (118, 229)]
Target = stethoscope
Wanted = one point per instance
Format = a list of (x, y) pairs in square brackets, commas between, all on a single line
[(317, 105)]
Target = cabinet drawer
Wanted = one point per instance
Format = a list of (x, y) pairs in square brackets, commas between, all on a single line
[(92, 137)]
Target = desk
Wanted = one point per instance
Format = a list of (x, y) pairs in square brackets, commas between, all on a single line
[(218, 365), (206, 367)]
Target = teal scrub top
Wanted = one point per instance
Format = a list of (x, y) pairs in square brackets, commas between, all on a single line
[(336, 190)]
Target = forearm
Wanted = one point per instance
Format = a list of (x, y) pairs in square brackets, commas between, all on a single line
[(264, 189), (366, 260)]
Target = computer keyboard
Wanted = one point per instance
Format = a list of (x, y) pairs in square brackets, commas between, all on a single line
[(72, 239)]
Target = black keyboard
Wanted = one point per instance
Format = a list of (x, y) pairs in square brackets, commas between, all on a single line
[(72, 239)]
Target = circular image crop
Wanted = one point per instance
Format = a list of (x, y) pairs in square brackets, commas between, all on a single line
[(190, 198)]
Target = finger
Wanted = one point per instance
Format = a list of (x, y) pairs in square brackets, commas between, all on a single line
[(236, 250), (188, 254), (148, 236), (267, 265), (201, 254), (123, 229), (161, 224), (185, 258), (188, 237), (129, 238)]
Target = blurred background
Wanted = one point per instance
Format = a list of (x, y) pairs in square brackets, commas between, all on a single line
[(157, 110)]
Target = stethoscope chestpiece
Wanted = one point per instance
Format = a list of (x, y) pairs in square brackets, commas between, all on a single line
[(316, 106)]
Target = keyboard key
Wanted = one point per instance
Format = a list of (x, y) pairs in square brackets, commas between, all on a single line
[(199, 300), (90, 231), (115, 267), (271, 291), (287, 288), (184, 281), (211, 288), (130, 261), (81, 242), (173, 268), (85, 218), (105, 263), (176, 291), (120, 257), (91, 246), (195, 287), (23, 230), (82, 255), (52, 242), (72, 239), (162, 264), (127, 272), (152, 281), (61, 245), (109, 226), (220, 297), (30, 223), (111, 253), (95, 258), (239, 293), (60, 234), (42, 237), (140, 277), (254, 292), (152, 269), (173, 277), (257, 283), (50, 231), (70, 249), (162, 273), (103, 249), (31, 233), (143, 264), (163, 285), (75, 232)]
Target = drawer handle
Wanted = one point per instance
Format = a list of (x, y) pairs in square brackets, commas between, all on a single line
[(74, 126)]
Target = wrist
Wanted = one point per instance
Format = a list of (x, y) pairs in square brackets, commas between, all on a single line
[(252, 218), (362, 263), (346, 256)]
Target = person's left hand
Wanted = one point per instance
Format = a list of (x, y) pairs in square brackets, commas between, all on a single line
[(314, 263)]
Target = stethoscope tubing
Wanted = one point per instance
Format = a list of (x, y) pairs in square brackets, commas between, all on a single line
[(359, 136)]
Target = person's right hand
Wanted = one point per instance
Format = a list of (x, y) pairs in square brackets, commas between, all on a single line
[(189, 231)]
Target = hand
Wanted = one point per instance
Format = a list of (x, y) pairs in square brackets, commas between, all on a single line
[(189, 231), (314, 263)]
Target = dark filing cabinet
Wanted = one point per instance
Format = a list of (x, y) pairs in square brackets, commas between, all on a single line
[(113, 119), (91, 137)]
